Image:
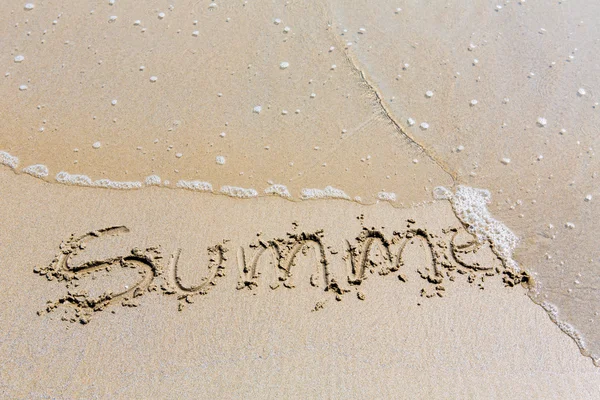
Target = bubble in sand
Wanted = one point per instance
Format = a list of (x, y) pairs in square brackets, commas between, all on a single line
[(398, 10), (114, 102), (313, 95), (29, 6), (286, 29), (570, 225), (195, 33), (161, 15), (276, 21), (153, 79), (23, 87), (112, 18), (212, 6), (19, 58), (473, 102), (581, 92), (257, 109), (362, 31), (280, 190), (137, 22), (429, 94), (541, 122), (220, 160), (97, 145), (284, 65), (588, 198), (424, 126)]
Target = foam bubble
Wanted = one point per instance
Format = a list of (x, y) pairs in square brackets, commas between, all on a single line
[(470, 206), (235, 191), (37, 170), (107, 183), (195, 185), (153, 180), (328, 193), (84, 180), (280, 190), (386, 196), (8, 160)]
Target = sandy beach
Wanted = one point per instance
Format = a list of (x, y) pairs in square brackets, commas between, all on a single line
[(299, 200)]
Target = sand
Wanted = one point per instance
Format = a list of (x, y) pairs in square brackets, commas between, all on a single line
[(445, 151), (243, 340)]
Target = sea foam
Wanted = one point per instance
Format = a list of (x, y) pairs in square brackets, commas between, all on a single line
[(8, 160), (470, 206), (328, 193)]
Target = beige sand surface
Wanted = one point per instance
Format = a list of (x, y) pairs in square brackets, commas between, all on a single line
[(492, 343), (379, 102)]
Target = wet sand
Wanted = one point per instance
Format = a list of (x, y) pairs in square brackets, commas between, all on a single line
[(383, 337), (283, 106)]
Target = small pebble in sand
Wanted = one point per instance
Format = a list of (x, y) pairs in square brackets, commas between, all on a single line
[(475, 61), (195, 33), (178, 155), (473, 103), (569, 225), (137, 22), (563, 131), (220, 160), (257, 109), (112, 18), (286, 29), (460, 148), (222, 134), (588, 198), (398, 10), (362, 31), (333, 67), (410, 122), (472, 47), (284, 112), (429, 94), (498, 7), (540, 157), (114, 102), (505, 161), (23, 87), (19, 58), (313, 95), (424, 126), (161, 15), (29, 6), (415, 161), (581, 92), (153, 79), (97, 145), (284, 65), (276, 21), (332, 48), (405, 66), (541, 121), (142, 68)]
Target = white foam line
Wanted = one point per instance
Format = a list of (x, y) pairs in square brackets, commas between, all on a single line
[(279, 190), (152, 180), (37, 170), (235, 191), (470, 206), (8, 160), (328, 193), (386, 196), (195, 185), (84, 180)]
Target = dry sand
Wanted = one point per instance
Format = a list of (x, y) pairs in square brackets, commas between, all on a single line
[(376, 103), (479, 339)]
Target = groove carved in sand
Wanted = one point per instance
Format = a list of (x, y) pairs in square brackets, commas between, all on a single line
[(452, 252)]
